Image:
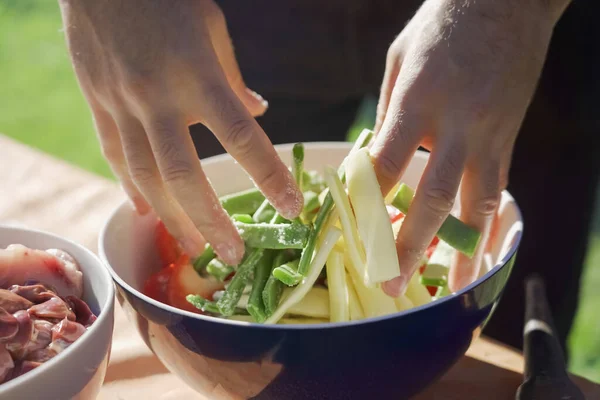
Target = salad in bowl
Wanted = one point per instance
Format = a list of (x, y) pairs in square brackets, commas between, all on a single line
[(325, 266)]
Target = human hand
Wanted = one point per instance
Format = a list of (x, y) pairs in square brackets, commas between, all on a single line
[(151, 68), (458, 81)]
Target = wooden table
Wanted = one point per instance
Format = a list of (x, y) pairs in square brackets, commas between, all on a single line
[(41, 192)]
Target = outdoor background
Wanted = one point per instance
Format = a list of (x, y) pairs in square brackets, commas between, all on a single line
[(41, 105)]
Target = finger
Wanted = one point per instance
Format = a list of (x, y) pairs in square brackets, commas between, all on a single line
[(219, 35), (392, 69), (112, 149), (480, 196), (399, 137), (145, 174), (243, 138), (181, 172), (433, 202)]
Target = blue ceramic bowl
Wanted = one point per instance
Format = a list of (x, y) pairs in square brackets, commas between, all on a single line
[(393, 356)]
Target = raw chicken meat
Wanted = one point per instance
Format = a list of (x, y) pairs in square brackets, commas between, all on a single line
[(20, 265), (41, 311), (12, 302)]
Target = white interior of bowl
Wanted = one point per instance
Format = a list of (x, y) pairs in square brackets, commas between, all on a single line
[(98, 291), (126, 242)]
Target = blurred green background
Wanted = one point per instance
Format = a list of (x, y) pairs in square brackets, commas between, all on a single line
[(41, 105)]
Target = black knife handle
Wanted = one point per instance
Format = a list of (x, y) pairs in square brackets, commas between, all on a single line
[(545, 375)]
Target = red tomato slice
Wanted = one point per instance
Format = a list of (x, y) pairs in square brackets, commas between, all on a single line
[(432, 290), (166, 245), (432, 247), (394, 213), (185, 280), (156, 286)]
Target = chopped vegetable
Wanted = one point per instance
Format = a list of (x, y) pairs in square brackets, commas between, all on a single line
[(298, 293), (242, 277), (348, 222), (373, 300), (288, 273), (298, 164), (372, 219), (339, 301), (202, 304), (219, 269), (264, 213), (244, 202), (403, 303), (202, 261), (363, 139), (437, 268), (311, 204), (274, 287), (262, 270), (416, 292), (274, 236), (315, 304), (453, 231), (356, 310), (245, 218)]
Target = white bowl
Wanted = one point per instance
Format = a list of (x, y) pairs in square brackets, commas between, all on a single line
[(78, 372)]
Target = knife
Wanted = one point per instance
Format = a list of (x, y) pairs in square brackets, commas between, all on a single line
[(545, 376)]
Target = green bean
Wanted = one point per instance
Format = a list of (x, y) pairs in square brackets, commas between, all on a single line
[(244, 202), (243, 275), (202, 261), (311, 202), (288, 273), (264, 213), (298, 164), (255, 306), (312, 181), (218, 269), (274, 287), (453, 231), (245, 218), (202, 304), (208, 306), (274, 236), (363, 139)]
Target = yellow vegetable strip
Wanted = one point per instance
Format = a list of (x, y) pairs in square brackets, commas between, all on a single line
[(372, 218), (403, 303), (356, 311), (315, 304), (416, 292), (348, 222), (372, 299), (339, 307)]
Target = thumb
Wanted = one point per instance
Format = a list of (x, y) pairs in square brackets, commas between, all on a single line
[(221, 41)]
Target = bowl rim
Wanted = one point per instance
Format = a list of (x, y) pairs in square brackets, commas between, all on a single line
[(326, 325), (106, 310)]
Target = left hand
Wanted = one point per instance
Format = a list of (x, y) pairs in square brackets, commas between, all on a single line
[(458, 81)]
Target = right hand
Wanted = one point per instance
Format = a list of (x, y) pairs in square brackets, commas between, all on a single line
[(151, 68)]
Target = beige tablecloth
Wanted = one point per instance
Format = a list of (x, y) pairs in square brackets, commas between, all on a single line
[(41, 192)]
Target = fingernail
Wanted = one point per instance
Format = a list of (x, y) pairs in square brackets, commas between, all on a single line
[(258, 97), (290, 202), (191, 248), (139, 205), (228, 253), (395, 287)]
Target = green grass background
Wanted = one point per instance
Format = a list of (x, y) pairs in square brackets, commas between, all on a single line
[(41, 105)]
